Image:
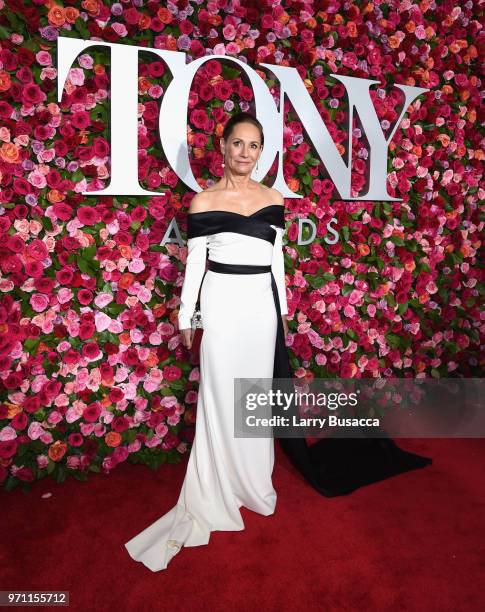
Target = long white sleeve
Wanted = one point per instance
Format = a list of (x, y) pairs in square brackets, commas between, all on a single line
[(278, 268), (194, 271)]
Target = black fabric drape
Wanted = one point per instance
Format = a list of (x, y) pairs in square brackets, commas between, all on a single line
[(335, 465)]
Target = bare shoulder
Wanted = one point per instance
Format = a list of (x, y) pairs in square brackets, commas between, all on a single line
[(276, 197), (201, 202)]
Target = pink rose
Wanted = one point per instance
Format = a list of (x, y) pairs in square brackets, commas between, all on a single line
[(39, 302)]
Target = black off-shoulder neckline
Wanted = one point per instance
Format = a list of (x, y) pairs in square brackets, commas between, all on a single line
[(232, 212)]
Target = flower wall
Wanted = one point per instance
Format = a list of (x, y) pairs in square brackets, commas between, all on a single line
[(92, 370)]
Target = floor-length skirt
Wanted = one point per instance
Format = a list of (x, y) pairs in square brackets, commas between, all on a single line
[(224, 472)]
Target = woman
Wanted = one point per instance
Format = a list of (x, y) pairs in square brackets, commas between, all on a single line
[(243, 306)]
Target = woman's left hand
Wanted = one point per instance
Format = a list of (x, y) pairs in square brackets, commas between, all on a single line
[(285, 324)]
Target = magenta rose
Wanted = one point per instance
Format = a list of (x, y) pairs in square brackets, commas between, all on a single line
[(8, 448), (34, 269), (171, 373), (119, 424), (20, 421), (116, 395), (106, 371), (100, 147), (120, 453), (88, 215), (169, 273), (37, 250), (81, 120), (13, 380), (86, 330), (84, 296), (293, 232), (90, 350), (71, 357), (75, 439), (91, 412), (33, 94), (15, 244), (31, 404)]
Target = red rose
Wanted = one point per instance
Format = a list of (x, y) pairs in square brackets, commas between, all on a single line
[(171, 373), (84, 297), (88, 215), (90, 350), (37, 250), (86, 330), (91, 412), (119, 424), (75, 439), (8, 448), (106, 371), (25, 474), (293, 232), (20, 421)]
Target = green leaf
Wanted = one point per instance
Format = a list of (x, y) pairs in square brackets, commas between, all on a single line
[(393, 340), (115, 309), (316, 281), (113, 338), (130, 435), (80, 27), (89, 252), (77, 176), (11, 483), (46, 223), (347, 248), (60, 473), (177, 385), (31, 344), (84, 267)]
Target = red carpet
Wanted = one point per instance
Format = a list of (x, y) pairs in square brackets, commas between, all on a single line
[(413, 542)]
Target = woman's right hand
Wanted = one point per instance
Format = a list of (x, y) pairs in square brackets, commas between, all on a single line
[(187, 336)]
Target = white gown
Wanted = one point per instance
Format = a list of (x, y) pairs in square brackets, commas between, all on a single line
[(240, 328)]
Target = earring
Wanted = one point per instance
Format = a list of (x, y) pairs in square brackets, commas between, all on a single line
[(257, 165), (223, 161)]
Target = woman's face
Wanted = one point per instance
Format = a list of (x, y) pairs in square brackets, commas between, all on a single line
[(242, 149)]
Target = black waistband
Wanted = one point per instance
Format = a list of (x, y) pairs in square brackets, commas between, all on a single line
[(217, 266)]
